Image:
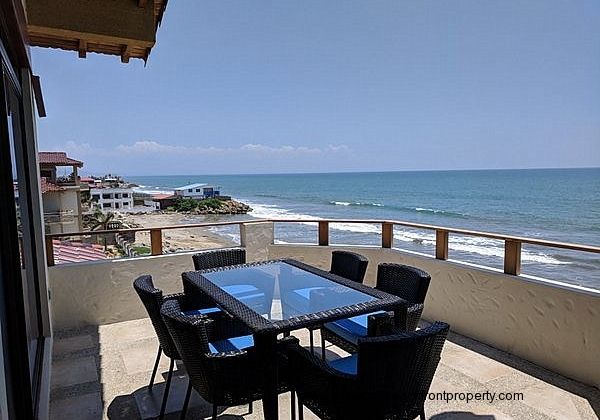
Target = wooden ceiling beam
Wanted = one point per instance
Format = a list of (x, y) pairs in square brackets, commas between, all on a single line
[(125, 54), (142, 3), (82, 48)]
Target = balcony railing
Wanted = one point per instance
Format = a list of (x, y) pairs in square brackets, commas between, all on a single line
[(512, 244), (64, 216)]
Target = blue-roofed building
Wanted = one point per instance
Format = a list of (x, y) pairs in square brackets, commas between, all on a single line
[(198, 191)]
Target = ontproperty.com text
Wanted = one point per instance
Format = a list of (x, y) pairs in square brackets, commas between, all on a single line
[(467, 397)]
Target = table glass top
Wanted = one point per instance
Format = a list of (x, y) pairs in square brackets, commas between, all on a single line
[(280, 291)]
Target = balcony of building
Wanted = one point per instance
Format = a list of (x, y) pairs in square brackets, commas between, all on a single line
[(530, 342)]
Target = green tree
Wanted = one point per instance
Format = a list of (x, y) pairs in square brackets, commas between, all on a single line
[(100, 221), (185, 204)]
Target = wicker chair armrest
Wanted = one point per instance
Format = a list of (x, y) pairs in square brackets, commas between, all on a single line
[(304, 362), (380, 324), (413, 316), (416, 308), (225, 326), (181, 298)]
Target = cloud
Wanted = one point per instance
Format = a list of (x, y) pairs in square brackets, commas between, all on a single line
[(153, 147)]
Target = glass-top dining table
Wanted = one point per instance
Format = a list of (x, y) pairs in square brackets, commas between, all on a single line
[(279, 296)]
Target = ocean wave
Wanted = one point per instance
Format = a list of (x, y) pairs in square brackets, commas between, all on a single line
[(474, 245), (356, 203), (438, 211), (471, 245)]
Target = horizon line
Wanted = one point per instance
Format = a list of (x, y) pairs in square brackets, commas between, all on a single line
[(376, 172)]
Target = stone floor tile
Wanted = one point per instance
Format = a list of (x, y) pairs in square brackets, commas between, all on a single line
[(73, 372), (142, 358), (81, 407), (73, 344), (550, 400), (475, 365)]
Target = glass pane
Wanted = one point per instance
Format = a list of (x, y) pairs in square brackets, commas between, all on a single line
[(280, 291), (27, 275)]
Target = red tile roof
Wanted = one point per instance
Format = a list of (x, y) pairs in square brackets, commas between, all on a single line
[(68, 252), (47, 186), (58, 159)]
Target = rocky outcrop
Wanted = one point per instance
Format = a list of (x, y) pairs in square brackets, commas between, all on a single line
[(225, 207)]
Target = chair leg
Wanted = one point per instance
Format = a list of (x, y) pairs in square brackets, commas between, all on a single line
[(322, 346), (293, 404), (163, 407), (214, 416), (188, 393), (155, 367), (312, 342), (250, 407), (422, 415), (300, 410)]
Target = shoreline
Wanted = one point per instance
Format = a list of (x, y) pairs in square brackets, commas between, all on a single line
[(176, 240)]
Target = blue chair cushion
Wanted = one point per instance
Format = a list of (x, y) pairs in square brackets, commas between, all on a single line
[(244, 292), (351, 329), (231, 344), (346, 364), (239, 289), (203, 311), (305, 292)]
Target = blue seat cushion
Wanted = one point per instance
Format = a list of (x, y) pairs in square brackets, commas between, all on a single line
[(239, 289), (231, 344), (346, 364), (305, 292), (203, 311), (351, 329)]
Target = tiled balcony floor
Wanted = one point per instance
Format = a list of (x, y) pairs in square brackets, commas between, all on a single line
[(103, 372)]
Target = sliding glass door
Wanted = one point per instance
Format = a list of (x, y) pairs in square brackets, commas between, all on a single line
[(20, 309)]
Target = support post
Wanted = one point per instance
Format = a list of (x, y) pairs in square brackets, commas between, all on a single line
[(441, 244), (156, 241), (323, 233), (387, 234), (512, 257), (49, 252)]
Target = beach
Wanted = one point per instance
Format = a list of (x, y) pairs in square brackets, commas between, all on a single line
[(176, 240)]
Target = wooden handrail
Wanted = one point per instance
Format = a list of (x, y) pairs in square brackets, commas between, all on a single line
[(512, 244)]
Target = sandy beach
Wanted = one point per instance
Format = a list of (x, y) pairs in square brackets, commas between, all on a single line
[(177, 240)]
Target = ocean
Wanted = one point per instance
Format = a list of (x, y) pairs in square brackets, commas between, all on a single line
[(553, 204)]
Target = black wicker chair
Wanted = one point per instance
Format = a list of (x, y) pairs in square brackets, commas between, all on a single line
[(388, 378), (404, 281), (205, 260), (225, 371), (349, 265), (153, 298)]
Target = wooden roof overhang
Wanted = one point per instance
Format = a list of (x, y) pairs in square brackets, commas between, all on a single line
[(126, 28)]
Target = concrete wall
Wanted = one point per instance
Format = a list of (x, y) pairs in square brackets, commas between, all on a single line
[(101, 292), (554, 327)]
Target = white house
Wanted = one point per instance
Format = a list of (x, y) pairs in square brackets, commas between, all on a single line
[(198, 191), (112, 198)]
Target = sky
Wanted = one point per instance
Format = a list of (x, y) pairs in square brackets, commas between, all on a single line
[(238, 86)]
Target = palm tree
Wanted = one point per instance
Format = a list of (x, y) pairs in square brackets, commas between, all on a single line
[(100, 221)]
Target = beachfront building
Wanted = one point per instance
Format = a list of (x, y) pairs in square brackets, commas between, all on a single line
[(61, 192), (198, 191), (160, 201), (107, 198)]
